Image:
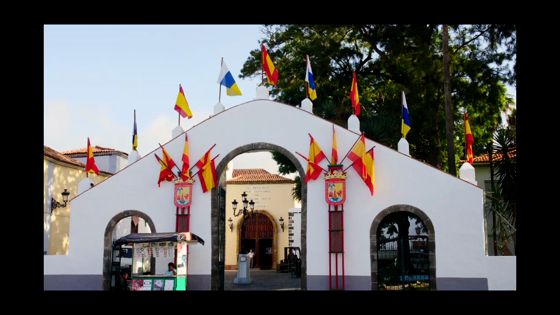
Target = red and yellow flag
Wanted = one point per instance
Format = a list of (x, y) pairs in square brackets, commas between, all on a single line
[(269, 68), (370, 170), (207, 172), (91, 167), (334, 152), (315, 156), (354, 97), (181, 104), (185, 171), (165, 173), (358, 157), (469, 140), (167, 159)]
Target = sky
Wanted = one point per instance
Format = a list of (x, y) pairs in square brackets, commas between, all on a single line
[(96, 75)]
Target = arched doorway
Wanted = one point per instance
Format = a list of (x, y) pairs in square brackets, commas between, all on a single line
[(402, 250), (218, 216), (258, 234), (108, 240)]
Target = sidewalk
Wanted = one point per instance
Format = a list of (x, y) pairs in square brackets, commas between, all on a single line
[(262, 280)]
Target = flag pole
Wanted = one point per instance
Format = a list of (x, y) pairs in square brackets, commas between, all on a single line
[(326, 158), (356, 160), (170, 157), (351, 149), (312, 163), (262, 66), (166, 166), (212, 147), (220, 92), (306, 76), (199, 169)]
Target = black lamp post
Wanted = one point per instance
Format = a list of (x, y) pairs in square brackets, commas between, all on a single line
[(55, 204), (245, 202)]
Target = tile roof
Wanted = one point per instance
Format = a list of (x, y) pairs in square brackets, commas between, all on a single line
[(97, 151), (484, 158), (257, 176), (55, 155), (61, 157)]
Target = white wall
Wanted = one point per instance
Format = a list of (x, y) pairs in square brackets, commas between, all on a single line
[(453, 205)]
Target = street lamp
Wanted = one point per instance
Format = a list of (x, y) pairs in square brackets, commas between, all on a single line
[(55, 204), (230, 221), (245, 202)]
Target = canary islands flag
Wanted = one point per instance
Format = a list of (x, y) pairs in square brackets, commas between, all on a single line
[(311, 88), (405, 121), (226, 79)]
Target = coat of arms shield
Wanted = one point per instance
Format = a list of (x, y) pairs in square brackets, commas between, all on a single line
[(183, 194)]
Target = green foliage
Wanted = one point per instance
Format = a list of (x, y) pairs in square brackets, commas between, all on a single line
[(389, 59), (285, 166)]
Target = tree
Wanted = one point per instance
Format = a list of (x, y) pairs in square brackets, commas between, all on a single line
[(389, 59)]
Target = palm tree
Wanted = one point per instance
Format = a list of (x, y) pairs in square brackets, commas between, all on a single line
[(503, 200)]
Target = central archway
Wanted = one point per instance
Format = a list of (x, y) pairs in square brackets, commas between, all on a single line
[(218, 214)]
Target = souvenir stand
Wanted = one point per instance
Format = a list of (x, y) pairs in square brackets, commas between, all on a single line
[(151, 253)]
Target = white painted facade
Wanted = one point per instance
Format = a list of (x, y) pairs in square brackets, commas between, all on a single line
[(454, 206)]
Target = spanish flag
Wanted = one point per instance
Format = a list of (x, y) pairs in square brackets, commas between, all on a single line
[(181, 104), (469, 140), (207, 172), (185, 171), (91, 167), (358, 157), (334, 152), (315, 156), (370, 170), (268, 66), (165, 173), (167, 158), (354, 97)]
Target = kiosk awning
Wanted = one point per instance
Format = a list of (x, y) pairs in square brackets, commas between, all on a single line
[(160, 237)]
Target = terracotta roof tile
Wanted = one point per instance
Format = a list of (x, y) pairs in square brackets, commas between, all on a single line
[(256, 176), (484, 158), (61, 157), (97, 151), (53, 154)]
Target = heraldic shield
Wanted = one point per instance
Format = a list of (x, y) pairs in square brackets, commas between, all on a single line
[(183, 194), (335, 186)]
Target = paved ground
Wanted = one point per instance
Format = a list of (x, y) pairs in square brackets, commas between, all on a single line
[(263, 280)]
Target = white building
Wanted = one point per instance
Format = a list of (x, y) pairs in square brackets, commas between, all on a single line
[(106, 159), (450, 208)]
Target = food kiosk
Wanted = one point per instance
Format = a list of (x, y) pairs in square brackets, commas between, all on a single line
[(140, 261)]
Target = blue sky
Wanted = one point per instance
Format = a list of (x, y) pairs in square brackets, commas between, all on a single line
[(96, 75)]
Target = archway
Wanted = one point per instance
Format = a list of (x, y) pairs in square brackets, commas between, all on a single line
[(259, 233), (409, 250), (218, 214), (108, 241)]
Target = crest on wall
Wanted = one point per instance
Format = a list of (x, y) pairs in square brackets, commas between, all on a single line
[(335, 186), (183, 193)]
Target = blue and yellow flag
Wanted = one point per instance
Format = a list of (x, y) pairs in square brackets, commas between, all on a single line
[(311, 87), (134, 134), (226, 79), (405, 121)]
